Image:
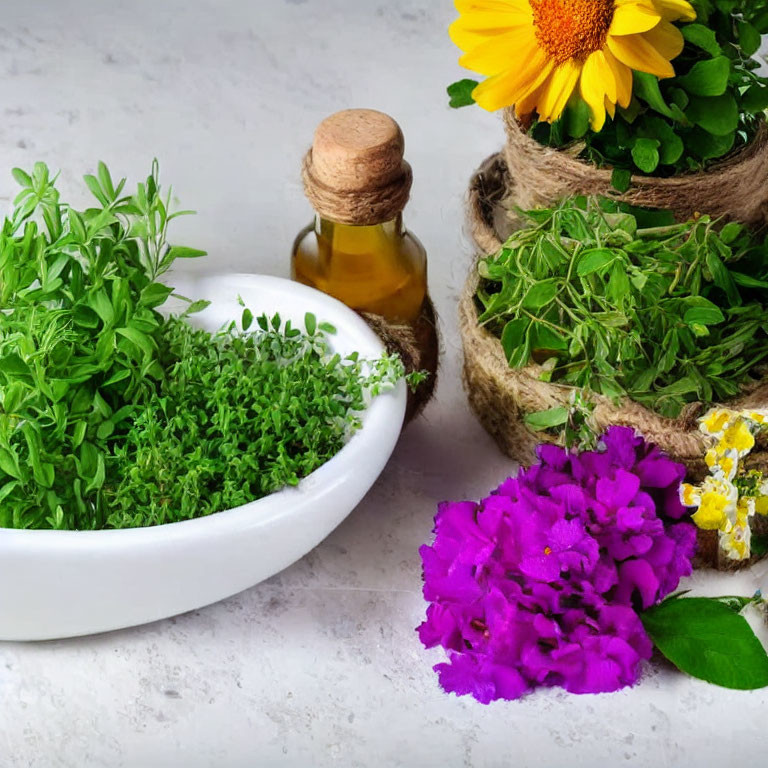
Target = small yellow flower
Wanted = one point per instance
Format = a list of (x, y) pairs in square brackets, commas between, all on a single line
[(537, 53), (690, 495), (736, 543), (718, 504), (737, 437), (716, 421), (726, 463), (744, 510)]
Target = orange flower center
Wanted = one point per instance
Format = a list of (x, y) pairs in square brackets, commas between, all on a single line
[(547, 550), (572, 29)]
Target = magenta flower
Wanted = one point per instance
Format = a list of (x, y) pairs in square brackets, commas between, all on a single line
[(540, 583)]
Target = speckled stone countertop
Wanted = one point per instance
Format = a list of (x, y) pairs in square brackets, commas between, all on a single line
[(320, 665)]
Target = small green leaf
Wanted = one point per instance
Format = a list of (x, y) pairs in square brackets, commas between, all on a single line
[(310, 323), (671, 146), (618, 285), (93, 184), (541, 294), (576, 118), (514, 341), (755, 99), (105, 179), (13, 366), (594, 260), (621, 179), (704, 313), (247, 319), (9, 464), (645, 153), (718, 115), (461, 93), (646, 87), (181, 252), (543, 420), (703, 37), (730, 232), (749, 38), (706, 639), (707, 146), (747, 281), (197, 306), (155, 294), (545, 339), (102, 306), (707, 78), (22, 177), (140, 339)]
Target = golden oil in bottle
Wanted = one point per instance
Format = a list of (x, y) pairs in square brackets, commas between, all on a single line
[(381, 268)]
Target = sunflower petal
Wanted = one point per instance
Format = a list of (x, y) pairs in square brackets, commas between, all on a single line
[(636, 52), (595, 74), (498, 54), (622, 76), (667, 39), (512, 85), (479, 24), (675, 10), (559, 89), (633, 18)]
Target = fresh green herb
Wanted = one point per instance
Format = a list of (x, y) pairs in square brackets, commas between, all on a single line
[(103, 399), (713, 106), (709, 639), (79, 334), (668, 315), (237, 417)]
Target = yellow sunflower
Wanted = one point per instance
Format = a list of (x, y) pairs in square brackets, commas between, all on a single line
[(535, 53)]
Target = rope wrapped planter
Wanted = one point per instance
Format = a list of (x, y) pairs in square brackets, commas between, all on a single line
[(501, 396), (736, 188), (418, 347)]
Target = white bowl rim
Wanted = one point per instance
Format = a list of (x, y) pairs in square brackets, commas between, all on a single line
[(263, 511)]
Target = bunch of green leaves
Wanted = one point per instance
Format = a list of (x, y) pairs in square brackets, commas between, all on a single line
[(237, 417), (114, 415), (79, 338), (666, 315), (710, 639), (713, 105)]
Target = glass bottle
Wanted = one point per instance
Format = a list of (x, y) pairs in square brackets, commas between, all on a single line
[(357, 249)]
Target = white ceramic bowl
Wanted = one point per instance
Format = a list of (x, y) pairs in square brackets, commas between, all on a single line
[(67, 583)]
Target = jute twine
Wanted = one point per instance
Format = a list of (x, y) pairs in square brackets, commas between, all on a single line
[(501, 397), (418, 347), (360, 207), (736, 188)]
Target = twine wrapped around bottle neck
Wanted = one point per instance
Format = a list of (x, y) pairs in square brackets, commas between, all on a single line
[(357, 207), (355, 172)]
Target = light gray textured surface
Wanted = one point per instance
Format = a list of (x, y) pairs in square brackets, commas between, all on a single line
[(319, 666)]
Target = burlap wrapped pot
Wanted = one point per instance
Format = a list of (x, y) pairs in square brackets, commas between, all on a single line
[(501, 397), (736, 188)]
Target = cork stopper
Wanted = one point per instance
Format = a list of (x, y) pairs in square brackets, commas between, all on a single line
[(355, 172)]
